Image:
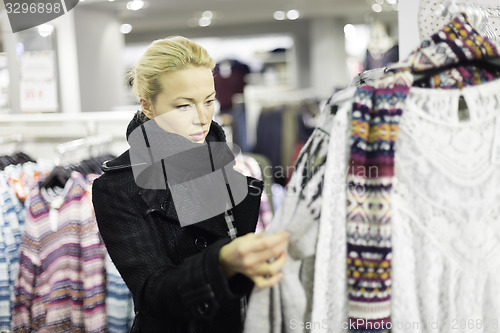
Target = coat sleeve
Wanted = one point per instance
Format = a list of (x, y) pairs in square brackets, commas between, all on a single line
[(193, 290)]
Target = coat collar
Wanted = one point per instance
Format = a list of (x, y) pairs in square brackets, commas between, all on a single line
[(122, 162), (159, 201)]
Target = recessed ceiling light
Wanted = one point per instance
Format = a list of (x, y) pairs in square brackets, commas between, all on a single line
[(208, 14), (125, 28), (293, 14), (204, 21), (135, 5), (45, 29), (279, 15), (376, 8), (349, 30)]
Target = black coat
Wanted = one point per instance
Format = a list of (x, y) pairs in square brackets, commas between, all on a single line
[(173, 272)]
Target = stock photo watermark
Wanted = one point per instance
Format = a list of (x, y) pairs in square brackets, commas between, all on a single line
[(25, 14), (435, 325)]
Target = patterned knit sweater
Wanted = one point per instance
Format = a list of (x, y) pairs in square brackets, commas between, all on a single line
[(61, 283)]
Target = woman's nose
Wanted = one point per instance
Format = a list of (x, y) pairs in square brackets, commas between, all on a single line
[(203, 115)]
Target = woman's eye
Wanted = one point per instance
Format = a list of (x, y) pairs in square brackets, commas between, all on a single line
[(184, 107), (210, 102)]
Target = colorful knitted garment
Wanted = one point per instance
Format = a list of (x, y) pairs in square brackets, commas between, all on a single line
[(377, 110)]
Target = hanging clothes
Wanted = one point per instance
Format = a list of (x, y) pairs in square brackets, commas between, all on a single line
[(61, 282), (374, 60), (11, 223), (284, 304), (229, 79), (248, 166), (269, 140), (279, 130), (119, 303), (446, 210), (376, 115), (332, 303)]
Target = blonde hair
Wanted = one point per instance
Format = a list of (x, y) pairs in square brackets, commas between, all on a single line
[(163, 56)]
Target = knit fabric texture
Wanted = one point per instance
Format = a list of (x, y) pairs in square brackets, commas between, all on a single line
[(61, 282), (377, 109)]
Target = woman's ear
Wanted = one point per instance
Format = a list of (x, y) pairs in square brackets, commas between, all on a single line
[(147, 108)]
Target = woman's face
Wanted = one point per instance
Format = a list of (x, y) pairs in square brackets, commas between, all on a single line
[(185, 105)]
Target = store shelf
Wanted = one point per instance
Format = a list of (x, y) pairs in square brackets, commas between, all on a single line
[(41, 133), (89, 117)]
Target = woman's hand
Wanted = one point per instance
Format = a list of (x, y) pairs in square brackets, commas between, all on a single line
[(258, 257)]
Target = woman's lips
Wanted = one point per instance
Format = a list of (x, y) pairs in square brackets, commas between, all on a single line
[(200, 136)]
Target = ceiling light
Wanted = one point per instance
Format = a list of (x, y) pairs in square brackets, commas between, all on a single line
[(279, 15), (45, 29), (125, 28), (208, 14), (376, 8), (111, 0), (135, 5), (391, 2), (204, 22), (293, 14), (349, 31)]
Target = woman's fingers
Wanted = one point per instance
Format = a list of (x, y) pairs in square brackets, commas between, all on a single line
[(266, 248), (252, 243), (254, 255), (272, 268), (266, 282)]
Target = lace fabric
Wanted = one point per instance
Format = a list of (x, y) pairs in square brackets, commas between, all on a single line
[(446, 201), (446, 204)]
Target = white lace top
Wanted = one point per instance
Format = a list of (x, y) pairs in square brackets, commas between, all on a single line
[(446, 221), (446, 218)]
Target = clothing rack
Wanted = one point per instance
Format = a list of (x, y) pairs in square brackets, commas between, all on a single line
[(95, 144), (15, 139), (257, 97)]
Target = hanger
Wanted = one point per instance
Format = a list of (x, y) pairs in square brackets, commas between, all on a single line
[(57, 177), (492, 65), (477, 13), (61, 174), (478, 16), (15, 158)]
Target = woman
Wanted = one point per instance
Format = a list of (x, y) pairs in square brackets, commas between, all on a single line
[(184, 276)]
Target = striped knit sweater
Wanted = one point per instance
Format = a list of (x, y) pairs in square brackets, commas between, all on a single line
[(61, 282), (377, 110)]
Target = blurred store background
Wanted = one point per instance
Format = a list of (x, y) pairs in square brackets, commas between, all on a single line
[(278, 61)]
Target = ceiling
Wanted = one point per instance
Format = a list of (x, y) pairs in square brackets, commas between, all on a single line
[(182, 15)]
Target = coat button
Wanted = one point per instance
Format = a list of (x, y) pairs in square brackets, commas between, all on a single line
[(203, 308), (164, 206), (201, 243)]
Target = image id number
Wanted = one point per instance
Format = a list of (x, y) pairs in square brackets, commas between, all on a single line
[(475, 324), (33, 8)]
